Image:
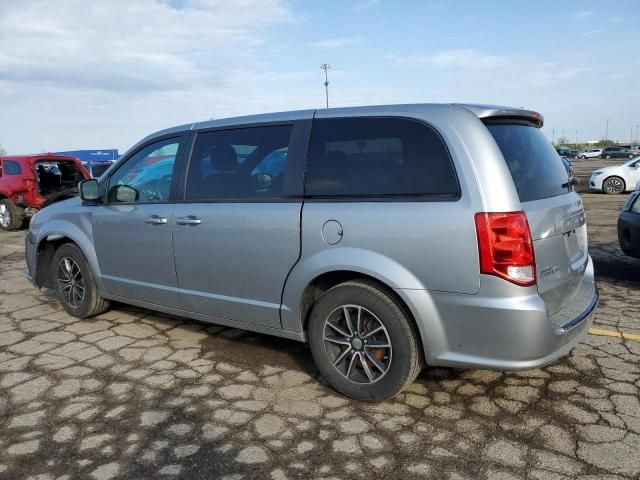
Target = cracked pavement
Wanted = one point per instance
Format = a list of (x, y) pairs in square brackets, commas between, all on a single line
[(136, 394)]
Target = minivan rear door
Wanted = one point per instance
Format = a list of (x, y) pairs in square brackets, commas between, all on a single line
[(236, 233), (554, 211)]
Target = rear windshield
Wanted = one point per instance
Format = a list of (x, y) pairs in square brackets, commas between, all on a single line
[(535, 166)]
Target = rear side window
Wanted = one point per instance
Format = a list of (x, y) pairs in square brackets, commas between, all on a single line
[(12, 168), (535, 166), (378, 157), (241, 163)]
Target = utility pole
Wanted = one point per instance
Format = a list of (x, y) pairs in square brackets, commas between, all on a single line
[(553, 136), (606, 132), (637, 126), (325, 67), (576, 138)]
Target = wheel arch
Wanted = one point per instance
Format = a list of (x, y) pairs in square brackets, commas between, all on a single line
[(301, 294), (54, 237)]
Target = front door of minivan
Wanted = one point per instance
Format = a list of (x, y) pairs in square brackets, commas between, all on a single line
[(132, 229), (236, 234)]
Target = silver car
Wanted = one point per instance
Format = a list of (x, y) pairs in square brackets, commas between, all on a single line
[(386, 237)]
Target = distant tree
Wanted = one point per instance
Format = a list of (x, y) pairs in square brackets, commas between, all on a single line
[(562, 141), (605, 143), (2, 151)]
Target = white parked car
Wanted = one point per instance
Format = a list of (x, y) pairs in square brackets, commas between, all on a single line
[(616, 179), (593, 153)]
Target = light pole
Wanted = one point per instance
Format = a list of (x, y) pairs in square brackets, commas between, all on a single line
[(576, 139), (325, 67), (606, 132), (637, 126)]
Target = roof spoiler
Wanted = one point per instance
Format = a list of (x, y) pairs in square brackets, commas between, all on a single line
[(495, 112)]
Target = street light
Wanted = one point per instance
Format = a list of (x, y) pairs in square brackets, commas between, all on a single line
[(606, 132), (325, 67), (637, 133)]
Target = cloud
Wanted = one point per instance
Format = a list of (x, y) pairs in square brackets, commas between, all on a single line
[(366, 5), (134, 45), (333, 43), (454, 59), (591, 32), (90, 73), (583, 15)]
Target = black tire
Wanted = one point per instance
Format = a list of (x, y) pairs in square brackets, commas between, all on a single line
[(583, 157), (613, 185), (11, 215), (91, 302), (403, 358)]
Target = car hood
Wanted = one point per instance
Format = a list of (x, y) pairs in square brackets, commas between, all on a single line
[(613, 170), (56, 210)]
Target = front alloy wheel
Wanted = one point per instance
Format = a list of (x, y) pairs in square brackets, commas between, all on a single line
[(74, 282), (357, 344), (70, 282), (613, 185)]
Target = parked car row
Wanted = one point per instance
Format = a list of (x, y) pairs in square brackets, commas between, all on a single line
[(624, 151)]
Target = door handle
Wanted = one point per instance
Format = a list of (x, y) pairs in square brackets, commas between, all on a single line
[(190, 220), (155, 220)]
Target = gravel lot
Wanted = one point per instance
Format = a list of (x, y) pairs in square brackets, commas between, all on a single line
[(135, 394)]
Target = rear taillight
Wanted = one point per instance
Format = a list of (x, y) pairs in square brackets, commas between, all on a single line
[(505, 246)]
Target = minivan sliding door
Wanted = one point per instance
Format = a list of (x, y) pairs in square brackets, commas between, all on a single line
[(236, 234)]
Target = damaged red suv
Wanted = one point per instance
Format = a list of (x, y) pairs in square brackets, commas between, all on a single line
[(29, 182)]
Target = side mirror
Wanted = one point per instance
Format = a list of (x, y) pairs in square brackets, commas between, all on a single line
[(89, 190), (123, 194)]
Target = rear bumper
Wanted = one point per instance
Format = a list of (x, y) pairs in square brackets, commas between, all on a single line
[(489, 330)]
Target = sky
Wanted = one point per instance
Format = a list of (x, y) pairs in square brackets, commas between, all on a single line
[(78, 74)]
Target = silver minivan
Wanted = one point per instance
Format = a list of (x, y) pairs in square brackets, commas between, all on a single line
[(387, 237)]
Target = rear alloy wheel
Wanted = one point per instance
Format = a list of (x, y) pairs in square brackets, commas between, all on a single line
[(363, 342), (357, 344), (608, 157), (613, 185), (74, 283), (583, 157), (11, 216)]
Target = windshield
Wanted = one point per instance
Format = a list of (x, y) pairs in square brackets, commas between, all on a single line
[(536, 168), (155, 171)]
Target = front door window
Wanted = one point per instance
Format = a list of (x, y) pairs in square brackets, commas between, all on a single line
[(147, 176)]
